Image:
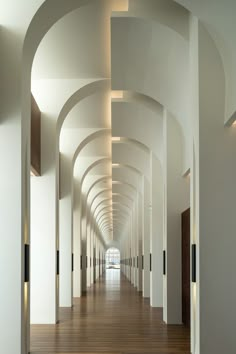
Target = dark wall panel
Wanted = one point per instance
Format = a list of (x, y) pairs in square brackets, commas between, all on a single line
[(35, 138)]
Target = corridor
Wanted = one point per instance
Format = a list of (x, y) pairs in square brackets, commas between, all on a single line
[(113, 318)]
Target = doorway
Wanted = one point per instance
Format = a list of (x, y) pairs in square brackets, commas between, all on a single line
[(113, 258)]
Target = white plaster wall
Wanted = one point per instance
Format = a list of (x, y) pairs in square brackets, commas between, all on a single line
[(15, 162), (76, 242), (43, 231), (135, 121), (137, 46), (177, 200), (156, 232), (146, 238), (216, 205)]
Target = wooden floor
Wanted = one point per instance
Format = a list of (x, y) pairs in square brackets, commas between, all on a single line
[(113, 318)]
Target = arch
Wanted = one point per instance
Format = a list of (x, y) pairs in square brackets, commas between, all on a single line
[(113, 258), (78, 96)]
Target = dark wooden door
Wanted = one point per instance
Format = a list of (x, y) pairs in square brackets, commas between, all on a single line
[(186, 267)]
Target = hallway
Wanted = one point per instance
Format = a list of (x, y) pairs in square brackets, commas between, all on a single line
[(113, 318)]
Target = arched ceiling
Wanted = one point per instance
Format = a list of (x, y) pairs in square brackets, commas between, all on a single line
[(104, 73)]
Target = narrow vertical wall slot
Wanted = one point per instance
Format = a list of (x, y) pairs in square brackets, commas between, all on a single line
[(137, 261), (27, 263), (150, 262), (81, 262), (72, 262), (142, 261), (164, 262), (58, 262), (194, 271)]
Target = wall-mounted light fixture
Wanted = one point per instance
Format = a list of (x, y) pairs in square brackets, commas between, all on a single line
[(194, 270), (58, 263), (164, 262), (27, 263)]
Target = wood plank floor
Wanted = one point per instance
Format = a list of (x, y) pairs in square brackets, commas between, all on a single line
[(113, 318)]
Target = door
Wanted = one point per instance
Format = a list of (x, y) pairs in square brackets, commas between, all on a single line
[(186, 267)]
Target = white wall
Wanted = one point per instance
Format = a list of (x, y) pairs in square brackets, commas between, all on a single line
[(156, 232), (176, 200), (146, 238), (44, 291)]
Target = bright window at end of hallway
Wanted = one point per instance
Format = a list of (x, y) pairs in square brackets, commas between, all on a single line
[(113, 258)]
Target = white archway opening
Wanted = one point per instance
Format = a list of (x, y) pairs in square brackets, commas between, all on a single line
[(113, 258)]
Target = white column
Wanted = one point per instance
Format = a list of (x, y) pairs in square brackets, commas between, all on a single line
[(44, 230), (14, 202), (213, 196), (146, 238), (176, 201), (140, 242), (84, 247), (97, 255), (15, 103), (88, 251), (65, 232), (76, 241), (135, 243), (156, 233)]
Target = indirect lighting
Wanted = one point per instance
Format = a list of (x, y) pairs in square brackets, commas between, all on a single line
[(26, 296), (234, 123), (115, 138), (194, 263), (115, 165), (27, 264), (121, 5), (32, 174), (187, 173), (117, 94)]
